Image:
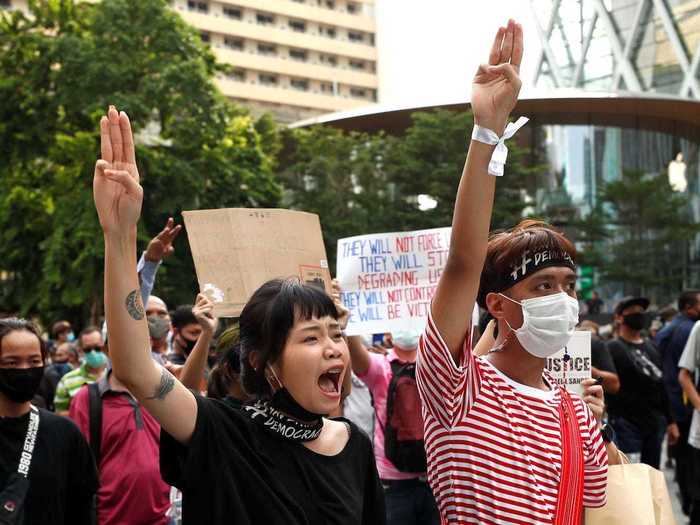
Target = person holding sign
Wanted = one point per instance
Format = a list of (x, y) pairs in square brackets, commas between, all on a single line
[(504, 443), (278, 461)]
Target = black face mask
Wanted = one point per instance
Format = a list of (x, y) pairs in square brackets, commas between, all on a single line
[(635, 321), (282, 415), (19, 385), (188, 345), (286, 418)]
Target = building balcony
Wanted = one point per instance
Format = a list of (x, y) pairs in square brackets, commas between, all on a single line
[(277, 35), (288, 96), (307, 12), (296, 68)]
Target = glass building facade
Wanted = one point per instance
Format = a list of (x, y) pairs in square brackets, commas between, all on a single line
[(622, 46)]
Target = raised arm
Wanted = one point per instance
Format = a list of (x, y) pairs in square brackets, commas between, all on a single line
[(196, 364), (118, 198), (494, 94), (160, 247)]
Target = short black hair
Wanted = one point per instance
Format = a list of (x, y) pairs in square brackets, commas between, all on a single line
[(266, 321), (687, 298), (87, 330), (15, 324), (182, 316)]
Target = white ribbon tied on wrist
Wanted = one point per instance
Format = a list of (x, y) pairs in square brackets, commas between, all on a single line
[(500, 154)]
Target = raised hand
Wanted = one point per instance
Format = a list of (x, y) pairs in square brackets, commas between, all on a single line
[(343, 312), (496, 85), (116, 189), (161, 245), (203, 311)]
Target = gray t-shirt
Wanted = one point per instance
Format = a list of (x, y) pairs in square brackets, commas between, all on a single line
[(358, 407)]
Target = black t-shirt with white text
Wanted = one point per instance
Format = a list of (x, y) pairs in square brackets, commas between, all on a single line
[(62, 475), (234, 471)]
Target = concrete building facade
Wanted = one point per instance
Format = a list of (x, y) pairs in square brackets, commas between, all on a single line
[(294, 58)]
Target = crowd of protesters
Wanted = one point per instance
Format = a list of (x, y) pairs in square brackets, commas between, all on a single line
[(162, 416)]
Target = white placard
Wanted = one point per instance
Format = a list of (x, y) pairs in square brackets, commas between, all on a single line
[(389, 279), (578, 368)]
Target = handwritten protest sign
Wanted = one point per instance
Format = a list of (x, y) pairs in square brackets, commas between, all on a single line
[(236, 250), (389, 279), (578, 368)]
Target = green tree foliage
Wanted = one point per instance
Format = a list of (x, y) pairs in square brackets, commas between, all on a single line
[(365, 183), (341, 177), (59, 69), (638, 235)]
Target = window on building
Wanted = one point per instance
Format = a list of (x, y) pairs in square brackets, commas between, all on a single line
[(205, 36), (264, 19), (354, 36), (330, 4), (329, 59), (237, 75), (358, 92), (300, 84), (352, 8), (5, 3), (297, 25), (267, 49), (233, 12), (233, 43), (329, 32), (326, 87), (298, 54), (267, 80), (357, 65), (202, 7)]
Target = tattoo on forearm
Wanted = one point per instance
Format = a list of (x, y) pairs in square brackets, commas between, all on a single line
[(134, 306), (167, 383)]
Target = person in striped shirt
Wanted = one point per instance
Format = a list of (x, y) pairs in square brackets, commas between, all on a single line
[(503, 441)]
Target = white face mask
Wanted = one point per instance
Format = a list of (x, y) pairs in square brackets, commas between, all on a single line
[(406, 339), (548, 323)]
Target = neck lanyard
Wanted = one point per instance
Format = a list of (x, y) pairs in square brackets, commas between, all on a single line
[(25, 459)]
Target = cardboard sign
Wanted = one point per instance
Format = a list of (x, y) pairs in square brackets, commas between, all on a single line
[(389, 279), (236, 250), (578, 368)]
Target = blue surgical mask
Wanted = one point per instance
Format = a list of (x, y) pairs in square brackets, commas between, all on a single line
[(70, 337), (95, 359)]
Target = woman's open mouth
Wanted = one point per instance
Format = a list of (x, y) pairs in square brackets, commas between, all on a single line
[(329, 382)]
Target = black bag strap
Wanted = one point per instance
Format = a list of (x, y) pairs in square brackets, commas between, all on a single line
[(95, 412)]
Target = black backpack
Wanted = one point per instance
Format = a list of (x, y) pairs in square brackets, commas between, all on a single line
[(403, 432)]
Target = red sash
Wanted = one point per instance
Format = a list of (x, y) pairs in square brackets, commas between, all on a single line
[(570, 498)]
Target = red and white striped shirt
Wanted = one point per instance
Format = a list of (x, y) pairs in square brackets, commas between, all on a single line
[(493, 445)]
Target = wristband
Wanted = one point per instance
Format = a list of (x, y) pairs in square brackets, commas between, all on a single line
[(500, 154)]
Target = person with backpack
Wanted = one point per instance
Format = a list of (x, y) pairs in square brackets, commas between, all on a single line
[(125, 441), (398, 428)]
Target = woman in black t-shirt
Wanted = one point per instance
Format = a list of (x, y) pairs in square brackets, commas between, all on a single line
[(280, 460), (56, 479)]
